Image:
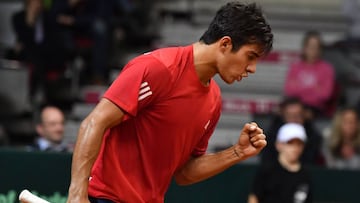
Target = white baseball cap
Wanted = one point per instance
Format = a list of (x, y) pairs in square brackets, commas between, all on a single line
[(291, 131)]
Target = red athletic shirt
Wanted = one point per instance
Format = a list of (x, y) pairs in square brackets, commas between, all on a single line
[(170, 117)]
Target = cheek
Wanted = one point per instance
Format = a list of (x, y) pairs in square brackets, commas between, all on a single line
[(232, 65), (237, 66), (301, 149), (349, 127), (225, 66)]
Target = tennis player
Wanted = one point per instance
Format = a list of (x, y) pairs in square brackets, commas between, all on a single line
[(154, 122)]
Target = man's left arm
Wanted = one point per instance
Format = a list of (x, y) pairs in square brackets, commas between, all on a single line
[(250, 143)]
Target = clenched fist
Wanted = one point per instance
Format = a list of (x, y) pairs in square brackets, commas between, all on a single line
[(251, 141)]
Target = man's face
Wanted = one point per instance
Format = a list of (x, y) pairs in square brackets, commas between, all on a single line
[(35, 5), (52, 126), (291, 150), (233, 66), (294, 113)]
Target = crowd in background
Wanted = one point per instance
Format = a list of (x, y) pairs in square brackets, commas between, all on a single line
[(312, 92), (52, 35)]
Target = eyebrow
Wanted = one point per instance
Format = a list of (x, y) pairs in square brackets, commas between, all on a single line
[(256, 54)]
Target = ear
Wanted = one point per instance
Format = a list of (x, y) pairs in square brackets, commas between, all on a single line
[(225, 43), (39, 129), (278, 146)]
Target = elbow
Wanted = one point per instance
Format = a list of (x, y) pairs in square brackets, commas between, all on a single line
[(183, 180), (92, 123), (83, 125), (90, 134)]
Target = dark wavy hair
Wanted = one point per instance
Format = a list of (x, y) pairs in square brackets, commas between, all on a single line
[(244, 23)]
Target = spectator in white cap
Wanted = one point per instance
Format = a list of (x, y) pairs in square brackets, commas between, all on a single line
[(285, 180)]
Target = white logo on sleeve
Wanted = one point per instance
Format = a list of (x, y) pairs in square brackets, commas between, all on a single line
[(145, 91), (207, 124)]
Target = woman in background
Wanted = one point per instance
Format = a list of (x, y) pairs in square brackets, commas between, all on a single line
[(311, 79), (342, 146)]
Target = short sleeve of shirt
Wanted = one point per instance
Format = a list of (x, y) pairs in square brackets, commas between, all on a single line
[(142, 81), (200, 149)]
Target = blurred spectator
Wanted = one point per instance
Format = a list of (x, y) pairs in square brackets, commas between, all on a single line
[(74, 19), (3, 137), (351, 10), (342, 146), (285, 180), (86, 25), (311, 79), (51, 130), (292, 111), (37, 45)]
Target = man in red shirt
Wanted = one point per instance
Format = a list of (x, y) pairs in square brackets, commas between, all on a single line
[(155, 120)]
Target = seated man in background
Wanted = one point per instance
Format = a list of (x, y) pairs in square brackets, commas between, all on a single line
[(51, 130), (292, 110), (285, 180)]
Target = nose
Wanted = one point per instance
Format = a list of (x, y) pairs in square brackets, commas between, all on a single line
[(251, 68)]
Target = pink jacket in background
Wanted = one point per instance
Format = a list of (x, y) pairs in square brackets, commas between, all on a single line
[(311, 83)]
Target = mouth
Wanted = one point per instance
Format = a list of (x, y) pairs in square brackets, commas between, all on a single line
[(239, 78)]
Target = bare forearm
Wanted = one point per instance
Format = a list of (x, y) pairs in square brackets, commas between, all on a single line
[(86, 150), (105, 115), (206, 166), (251, 142)]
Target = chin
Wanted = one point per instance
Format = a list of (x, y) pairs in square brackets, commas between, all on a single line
[(294, 159), (227, 81)]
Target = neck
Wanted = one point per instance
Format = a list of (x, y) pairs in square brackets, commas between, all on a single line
[(312, 61), (290, 166), (347, 139), (205, 62)]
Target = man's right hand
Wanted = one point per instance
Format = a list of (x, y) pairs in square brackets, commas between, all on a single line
[(78, 193), (77, 199)]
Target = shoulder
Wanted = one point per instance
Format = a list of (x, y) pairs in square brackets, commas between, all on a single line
[(297, 63), (163, 58), (326, 65), (305, 172), (170, 56), (295, 67), (147, 64), (33, 147), (173, 60)]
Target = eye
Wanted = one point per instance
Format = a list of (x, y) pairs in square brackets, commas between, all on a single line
[(251, 57)]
